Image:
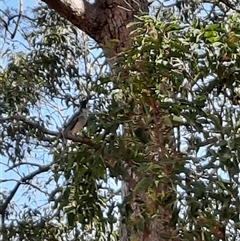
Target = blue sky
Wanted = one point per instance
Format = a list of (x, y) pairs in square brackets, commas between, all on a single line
[(40, 155), (3, 45)]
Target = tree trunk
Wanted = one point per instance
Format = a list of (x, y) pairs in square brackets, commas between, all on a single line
[(105, 21)]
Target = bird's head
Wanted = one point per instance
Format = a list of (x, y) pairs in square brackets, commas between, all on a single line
[(84, 101)]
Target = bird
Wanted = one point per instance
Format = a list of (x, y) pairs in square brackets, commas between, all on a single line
[(78, 119)]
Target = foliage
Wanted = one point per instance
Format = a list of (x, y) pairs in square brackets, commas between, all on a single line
[(177, 78), (188, 74), (40, 87)]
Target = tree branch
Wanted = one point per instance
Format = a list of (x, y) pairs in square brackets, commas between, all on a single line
[(80, 13), (31, 123), (23, 180), (18, 20), (23, 163), (44, 130), (37, 188)]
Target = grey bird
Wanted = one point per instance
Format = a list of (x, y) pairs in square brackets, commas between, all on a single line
[(78, 120)]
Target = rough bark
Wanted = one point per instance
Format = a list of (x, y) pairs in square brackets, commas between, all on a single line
[(106, 20)]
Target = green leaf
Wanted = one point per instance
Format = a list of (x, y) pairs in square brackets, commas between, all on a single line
[(142, 185)]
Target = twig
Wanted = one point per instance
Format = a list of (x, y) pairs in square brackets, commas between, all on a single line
[(18, 20), (8, 180), (36, 187), (23, 180), (23, 163)]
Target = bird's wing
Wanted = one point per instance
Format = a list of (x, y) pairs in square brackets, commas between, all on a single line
[(72, 122), (81, 121)]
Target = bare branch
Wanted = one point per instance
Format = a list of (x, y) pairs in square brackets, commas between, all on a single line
[(31, 123), (44, 130), (81, 140), (18, 20), (8, 180), (23, 180), (23, 163), (36, 187)]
